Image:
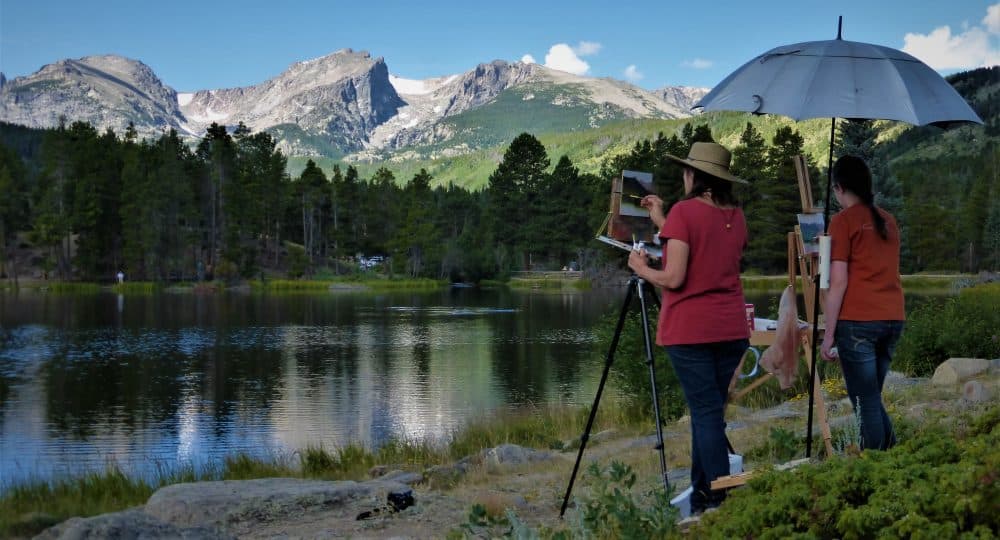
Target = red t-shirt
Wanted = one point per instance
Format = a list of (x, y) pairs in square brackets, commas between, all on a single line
[(874, 289), (709, 306)]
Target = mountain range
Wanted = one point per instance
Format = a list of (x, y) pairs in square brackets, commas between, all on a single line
[(346, 104)]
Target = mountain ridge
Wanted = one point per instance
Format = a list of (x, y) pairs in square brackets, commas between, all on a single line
[(341, 104)]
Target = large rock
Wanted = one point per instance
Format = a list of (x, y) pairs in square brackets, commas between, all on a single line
[(955, 370), (133, 523), (269, 499), (976, 392), (512, 454)]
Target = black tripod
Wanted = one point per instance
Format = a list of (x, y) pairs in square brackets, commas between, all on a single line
[(635, 287)]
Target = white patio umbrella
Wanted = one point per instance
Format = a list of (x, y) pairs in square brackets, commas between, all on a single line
[(839, 79)]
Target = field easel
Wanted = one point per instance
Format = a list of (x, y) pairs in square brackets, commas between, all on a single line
[(806, 267)]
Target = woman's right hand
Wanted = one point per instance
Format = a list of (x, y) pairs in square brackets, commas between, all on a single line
[(654, 205), (650, 201), (828, 349)]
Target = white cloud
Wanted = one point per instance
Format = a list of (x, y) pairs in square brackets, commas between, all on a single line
[(528, 59), (992, 19), (587, 48), (697, 63), (633, 74), (942, 50), (562, 57), (973, 47)]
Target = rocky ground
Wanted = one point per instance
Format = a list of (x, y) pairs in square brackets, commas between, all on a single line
[(530, 482)]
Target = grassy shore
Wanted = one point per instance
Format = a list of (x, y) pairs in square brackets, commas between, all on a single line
[(752, 284), (374, 282)]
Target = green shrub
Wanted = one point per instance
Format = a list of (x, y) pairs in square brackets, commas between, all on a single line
[(781, 445), (297, 260), (613, 511), (942, 483), (966, 325)]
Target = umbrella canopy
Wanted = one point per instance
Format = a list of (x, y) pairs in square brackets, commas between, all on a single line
[(840, 79)]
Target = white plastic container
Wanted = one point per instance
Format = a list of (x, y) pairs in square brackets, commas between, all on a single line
[(683, 501)]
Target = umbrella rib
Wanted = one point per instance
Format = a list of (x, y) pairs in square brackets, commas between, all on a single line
[(854, 56)]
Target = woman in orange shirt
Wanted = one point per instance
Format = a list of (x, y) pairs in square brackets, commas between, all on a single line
[(864, 306)]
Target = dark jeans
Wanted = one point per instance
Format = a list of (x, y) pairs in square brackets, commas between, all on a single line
[(865, 349), (704, 371)]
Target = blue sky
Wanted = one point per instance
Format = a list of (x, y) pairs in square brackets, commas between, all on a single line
[(222, 44)]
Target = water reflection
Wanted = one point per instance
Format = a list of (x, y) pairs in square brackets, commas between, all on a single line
[(153, 382)]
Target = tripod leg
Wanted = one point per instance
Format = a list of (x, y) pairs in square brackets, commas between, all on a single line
[(652, 381), (597, 398)]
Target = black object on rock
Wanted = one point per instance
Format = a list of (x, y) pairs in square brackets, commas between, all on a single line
[(396, 501)]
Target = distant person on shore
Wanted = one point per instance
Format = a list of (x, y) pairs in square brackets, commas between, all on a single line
[(702, 321), (121, 277), (864, 306)]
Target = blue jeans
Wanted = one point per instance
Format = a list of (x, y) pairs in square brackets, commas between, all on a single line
[(704, 371), (865, 349)]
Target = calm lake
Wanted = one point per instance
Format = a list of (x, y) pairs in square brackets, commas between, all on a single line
[(154, 382), (160, 380)]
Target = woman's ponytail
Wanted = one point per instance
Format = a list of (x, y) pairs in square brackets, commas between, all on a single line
[(852, 174)]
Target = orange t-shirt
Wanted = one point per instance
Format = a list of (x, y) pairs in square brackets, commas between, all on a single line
[(874, 289)]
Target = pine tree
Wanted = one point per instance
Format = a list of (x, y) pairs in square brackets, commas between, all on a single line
[(51, 223), (991, 237), (380, 211), (566, 222), (218, 184), (772, 213), (416, 245), (310, 190), (14, 210), (514, 202)]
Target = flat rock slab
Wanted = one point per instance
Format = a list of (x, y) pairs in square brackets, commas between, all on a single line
[(265, 500), (133, 523)]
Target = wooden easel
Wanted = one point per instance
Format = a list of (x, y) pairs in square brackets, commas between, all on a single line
[(806, 267)]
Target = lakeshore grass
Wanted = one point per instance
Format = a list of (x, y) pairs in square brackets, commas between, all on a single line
[(372, 283), (764, 284), (137, 287), (551, 283), (69, 287)]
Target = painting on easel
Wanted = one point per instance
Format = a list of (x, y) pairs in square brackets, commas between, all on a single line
[(628, 221), (811, 226)]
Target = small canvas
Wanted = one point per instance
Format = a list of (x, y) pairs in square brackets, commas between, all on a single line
[(628, 221), (812, 227)]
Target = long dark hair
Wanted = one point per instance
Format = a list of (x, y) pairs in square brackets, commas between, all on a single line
[(722, 190), (852, 174)]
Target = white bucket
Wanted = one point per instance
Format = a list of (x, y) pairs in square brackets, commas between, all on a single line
[(683, 501)]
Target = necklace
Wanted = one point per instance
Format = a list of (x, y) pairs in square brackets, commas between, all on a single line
[(727, 213)]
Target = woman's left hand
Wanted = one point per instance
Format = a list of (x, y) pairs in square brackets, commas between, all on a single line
[(637, 260)]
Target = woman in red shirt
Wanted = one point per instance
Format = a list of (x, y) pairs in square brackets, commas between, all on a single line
[(864, 306), (702, 321)]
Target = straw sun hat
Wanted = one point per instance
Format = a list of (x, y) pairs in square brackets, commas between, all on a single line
[(710, 158)]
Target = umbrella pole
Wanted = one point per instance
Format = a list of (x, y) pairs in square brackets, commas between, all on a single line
[(815, 318)]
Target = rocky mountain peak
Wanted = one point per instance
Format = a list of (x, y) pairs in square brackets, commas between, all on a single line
[(109, 91), (684, 97), (339, 99)]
